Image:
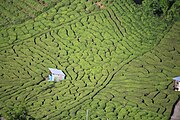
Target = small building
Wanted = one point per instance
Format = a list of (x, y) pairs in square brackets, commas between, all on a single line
[(56, 75), (177, 83)]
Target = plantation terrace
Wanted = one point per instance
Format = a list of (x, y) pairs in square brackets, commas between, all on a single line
[(109, 59)]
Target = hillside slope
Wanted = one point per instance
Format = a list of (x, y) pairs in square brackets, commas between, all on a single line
[(118, 62)]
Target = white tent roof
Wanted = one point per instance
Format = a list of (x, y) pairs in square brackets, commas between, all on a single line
[(56, 71), (177, 78)]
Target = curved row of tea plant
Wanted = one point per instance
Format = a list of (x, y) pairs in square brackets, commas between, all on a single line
[(18, 11)]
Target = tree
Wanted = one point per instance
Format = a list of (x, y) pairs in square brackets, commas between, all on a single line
[(162, 8)]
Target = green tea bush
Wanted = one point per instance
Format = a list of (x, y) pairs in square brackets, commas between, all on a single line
[(109, 107), (137, 117), (18, 112), (166, 8), (111, 115), (122, 113)]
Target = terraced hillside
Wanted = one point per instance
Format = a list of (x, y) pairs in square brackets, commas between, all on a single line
[(18, 11), (118, 60)]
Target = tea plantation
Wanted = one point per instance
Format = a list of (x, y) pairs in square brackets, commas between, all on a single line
[(119, 60)]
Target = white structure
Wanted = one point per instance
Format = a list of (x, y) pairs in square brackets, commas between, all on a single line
[(177, 83), (56, 75)]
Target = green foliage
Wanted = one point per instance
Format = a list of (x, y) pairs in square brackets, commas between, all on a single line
[(18, 112), (96, 52), (167, 9), (174, 11)]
